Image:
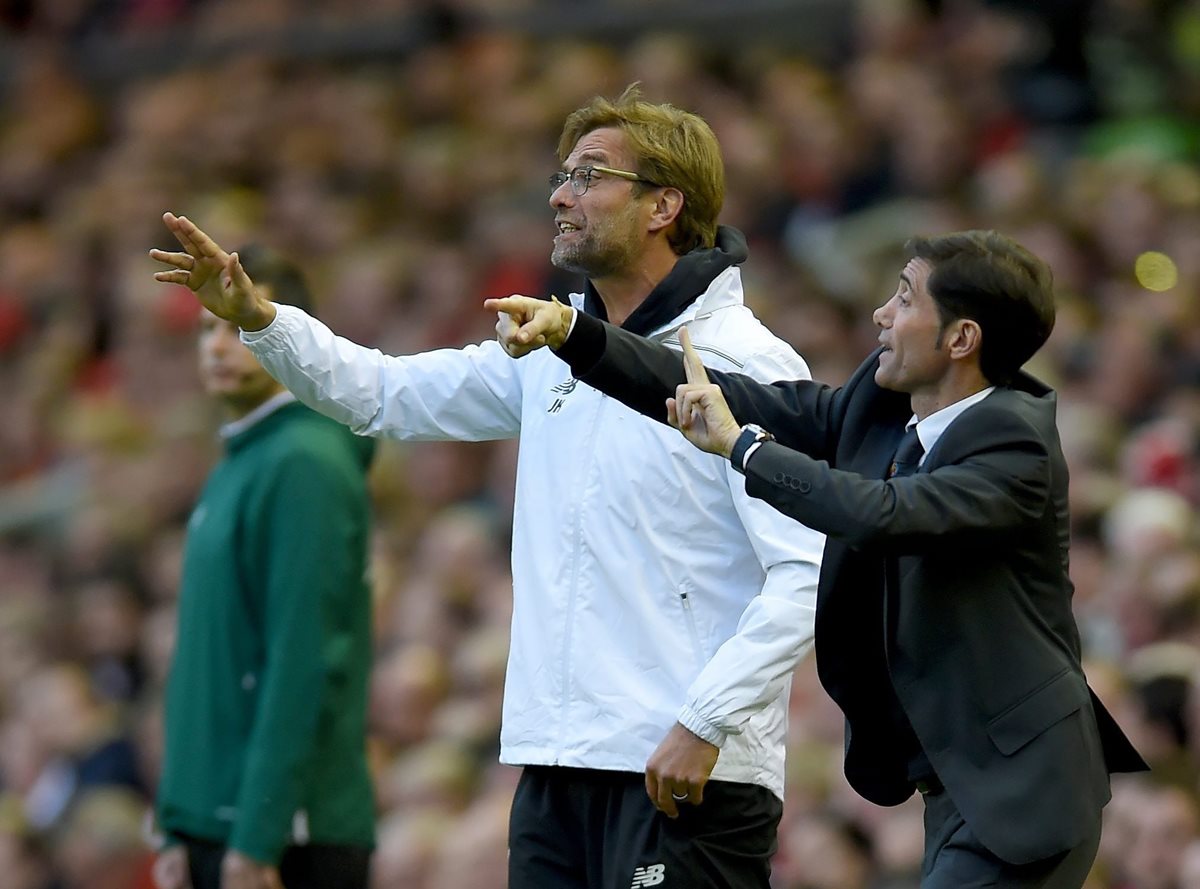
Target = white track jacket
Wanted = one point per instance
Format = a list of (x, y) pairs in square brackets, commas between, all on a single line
[(648, 588)]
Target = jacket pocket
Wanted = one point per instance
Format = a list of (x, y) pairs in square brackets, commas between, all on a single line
[(1063, 695), (689, 620)]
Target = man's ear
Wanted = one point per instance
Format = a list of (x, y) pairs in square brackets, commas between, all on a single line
[(667, 207), (965, 340)]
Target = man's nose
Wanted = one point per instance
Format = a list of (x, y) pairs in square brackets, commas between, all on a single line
[(562, 196)]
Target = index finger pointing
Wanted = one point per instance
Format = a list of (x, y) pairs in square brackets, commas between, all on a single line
[(507, 305), (692, 365)]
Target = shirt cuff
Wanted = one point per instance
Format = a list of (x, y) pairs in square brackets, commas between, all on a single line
[(749, 451), (584, 346)]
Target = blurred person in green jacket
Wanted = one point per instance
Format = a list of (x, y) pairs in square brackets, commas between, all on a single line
[(265, 778)]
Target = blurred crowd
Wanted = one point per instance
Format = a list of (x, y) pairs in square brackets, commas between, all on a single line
[(410, 188)]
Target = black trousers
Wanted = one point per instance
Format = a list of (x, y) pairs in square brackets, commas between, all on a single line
[(302, 867), (592, 829), (955, 859)]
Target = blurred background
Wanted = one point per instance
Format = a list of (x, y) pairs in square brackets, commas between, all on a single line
[(398, 150)]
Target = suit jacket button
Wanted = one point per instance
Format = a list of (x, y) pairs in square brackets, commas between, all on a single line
[(805, 487), (795, 484), (778, 477)]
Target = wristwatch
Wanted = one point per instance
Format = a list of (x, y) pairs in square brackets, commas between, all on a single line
[(751, 436)]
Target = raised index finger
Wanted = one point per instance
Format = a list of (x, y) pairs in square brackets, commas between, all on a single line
[(692, 365)]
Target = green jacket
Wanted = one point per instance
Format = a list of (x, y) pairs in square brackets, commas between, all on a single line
[(266, 703)]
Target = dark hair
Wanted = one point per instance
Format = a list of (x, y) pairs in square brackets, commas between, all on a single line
[(272, 269), (992, 280)]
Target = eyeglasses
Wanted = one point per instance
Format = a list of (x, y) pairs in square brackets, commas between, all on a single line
[(582, 178)]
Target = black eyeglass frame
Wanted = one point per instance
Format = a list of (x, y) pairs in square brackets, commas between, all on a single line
[(583, 177)]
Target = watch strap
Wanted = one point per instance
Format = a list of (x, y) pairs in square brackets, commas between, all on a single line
[(748, 437)]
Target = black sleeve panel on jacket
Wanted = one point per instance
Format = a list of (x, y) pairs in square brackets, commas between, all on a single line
[(643, 374)]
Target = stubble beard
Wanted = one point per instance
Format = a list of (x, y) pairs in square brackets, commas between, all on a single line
[(601, 252), (587, 258)]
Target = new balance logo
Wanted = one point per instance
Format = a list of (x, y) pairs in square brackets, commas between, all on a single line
[(650, 875), (564, 389)]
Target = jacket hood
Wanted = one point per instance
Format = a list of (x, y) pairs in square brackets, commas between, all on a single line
[(690, 277)]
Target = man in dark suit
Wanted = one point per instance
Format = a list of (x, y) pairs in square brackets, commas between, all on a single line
[(944, 628)]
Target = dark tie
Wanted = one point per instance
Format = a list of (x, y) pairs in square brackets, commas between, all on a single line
[(908, 455), (906, 461)]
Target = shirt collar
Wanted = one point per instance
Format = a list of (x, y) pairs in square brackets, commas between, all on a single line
[(268, 407), (931, 428)]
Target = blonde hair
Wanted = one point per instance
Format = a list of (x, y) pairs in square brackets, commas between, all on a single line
[(673, 148)]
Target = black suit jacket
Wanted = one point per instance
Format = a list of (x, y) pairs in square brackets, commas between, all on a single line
[(979, 645)]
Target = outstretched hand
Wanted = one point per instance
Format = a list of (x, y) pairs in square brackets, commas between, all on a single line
[(216, 277), (699, 409), (526, 324)]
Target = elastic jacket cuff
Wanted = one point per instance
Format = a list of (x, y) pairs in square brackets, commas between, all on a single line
[(698, 726)]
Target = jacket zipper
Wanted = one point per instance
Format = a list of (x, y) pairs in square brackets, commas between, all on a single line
[(581, 480), (690, 619)]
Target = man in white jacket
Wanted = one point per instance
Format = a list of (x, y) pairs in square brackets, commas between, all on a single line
[(658, 611)]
